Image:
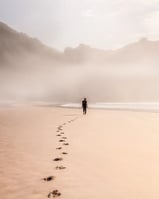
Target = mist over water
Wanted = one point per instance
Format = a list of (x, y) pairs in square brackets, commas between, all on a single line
[(71, 83)]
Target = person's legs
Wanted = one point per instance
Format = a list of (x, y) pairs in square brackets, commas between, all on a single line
[(85, 110)]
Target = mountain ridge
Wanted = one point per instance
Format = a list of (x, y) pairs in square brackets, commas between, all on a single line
[(14, 42)]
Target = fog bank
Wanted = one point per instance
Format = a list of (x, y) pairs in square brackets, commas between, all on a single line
[(31, 71)]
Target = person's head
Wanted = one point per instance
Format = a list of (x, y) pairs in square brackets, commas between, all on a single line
[(85, 99)]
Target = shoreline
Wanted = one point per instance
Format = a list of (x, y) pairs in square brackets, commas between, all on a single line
[(137, 107)]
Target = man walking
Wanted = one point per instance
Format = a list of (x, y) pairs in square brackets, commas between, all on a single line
[(84, 106)]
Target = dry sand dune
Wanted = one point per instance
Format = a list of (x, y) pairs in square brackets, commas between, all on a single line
[(105, 154)]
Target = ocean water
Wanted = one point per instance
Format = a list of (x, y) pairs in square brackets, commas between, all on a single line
[(144, 106), (118, 106)]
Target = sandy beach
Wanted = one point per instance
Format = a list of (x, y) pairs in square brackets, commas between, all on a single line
[(58, 152)]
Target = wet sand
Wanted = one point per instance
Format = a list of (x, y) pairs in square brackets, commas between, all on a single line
[(50, 152)]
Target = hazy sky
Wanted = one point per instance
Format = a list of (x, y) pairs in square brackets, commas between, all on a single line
[(99, 23)]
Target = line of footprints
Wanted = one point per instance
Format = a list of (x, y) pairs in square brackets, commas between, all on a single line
[(63, 142)]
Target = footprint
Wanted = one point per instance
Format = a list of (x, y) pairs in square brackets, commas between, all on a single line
[(64, 137), (59, 128), (59, 148), (64, 153), (62, 132), (61, 140), (55, 193), (58, 135), (58, 159), (49, 178), (60, 167), (66, 144)]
